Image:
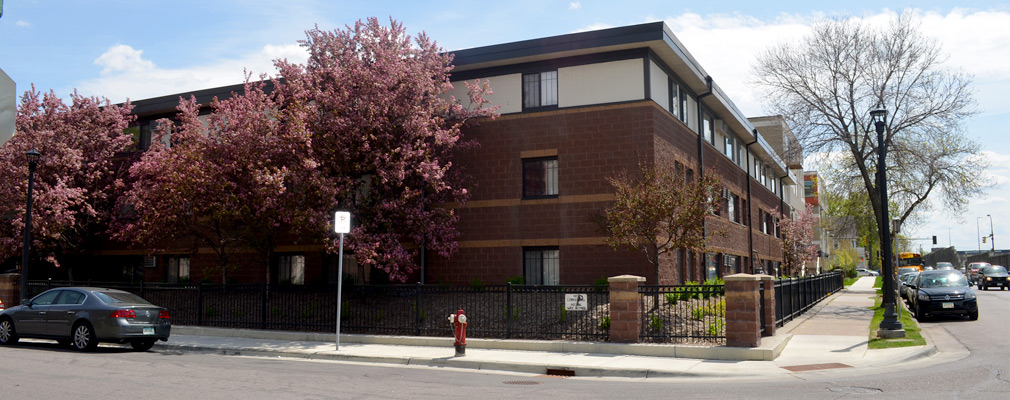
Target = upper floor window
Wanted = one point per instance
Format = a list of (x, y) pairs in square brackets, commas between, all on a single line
[(540, 89), (707, 127), (540, 177)]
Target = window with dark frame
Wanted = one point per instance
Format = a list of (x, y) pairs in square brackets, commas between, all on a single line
[(540, 89), (291, 269), (540, 177), (178, 269), (541, 266)]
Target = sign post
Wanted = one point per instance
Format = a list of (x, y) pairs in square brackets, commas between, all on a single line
[(342, 225)]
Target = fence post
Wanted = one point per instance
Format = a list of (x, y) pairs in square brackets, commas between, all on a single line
[(199, 303), (508, 310), (742, 311), (263, 305), (769, 304), (625, 308), (142, 289), (417, 309)]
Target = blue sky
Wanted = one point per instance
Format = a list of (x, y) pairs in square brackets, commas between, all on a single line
[(138, 49)]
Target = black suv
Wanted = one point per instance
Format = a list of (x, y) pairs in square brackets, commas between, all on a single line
[(942, 292), (992, 276)]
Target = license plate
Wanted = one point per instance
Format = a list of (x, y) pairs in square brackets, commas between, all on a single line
[(148, 331), (948, 305)]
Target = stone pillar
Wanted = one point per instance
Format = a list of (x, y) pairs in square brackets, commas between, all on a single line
[(743, 323), (625, 308), (10, 289), (769, 311)]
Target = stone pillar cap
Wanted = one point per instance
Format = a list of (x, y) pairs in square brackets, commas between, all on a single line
[(626, 278), (741, 277)]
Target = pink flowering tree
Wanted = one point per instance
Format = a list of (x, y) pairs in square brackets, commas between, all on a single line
[(797, 239), (76, 180), (384, 132), (660, 210), (234, 181)]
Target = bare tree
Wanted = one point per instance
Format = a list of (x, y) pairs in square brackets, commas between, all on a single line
[(826, 84)]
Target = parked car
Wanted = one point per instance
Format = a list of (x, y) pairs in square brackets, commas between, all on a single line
[(84, 316), (905, 270), (973, 268), (866, 272), (993, 276), (940, 292), (905, 280), (943, 265)]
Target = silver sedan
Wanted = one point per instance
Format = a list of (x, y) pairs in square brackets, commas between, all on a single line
[(84, 316)]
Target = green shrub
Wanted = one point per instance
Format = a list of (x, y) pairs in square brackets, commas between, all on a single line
[(601, 282), (516, 280), (477, 285), (605, 323), (672, 298), (563, 317), (515, 313), (377, 317), (716, 327), (655, 323), (209, 312)]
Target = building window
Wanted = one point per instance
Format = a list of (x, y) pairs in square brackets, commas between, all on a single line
[(674, 99), (732, 209), (540, 89), (541, 266), (540, 177), (291, 269), (684, 107), (178, 269), (706, 127)]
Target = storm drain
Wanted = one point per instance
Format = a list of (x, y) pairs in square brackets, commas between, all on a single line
[(816, 367), (522, 383), (560, 372)]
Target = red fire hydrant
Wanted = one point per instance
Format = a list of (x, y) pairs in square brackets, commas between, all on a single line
[(458, 321)]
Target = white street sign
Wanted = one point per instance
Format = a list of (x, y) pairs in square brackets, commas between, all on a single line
[(576, 302), (342, 222)]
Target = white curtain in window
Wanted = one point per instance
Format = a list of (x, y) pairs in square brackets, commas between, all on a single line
[(549, 88), (552, 271), (551, 177)]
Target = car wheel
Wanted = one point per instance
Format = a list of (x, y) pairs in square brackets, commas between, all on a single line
[(84, 337), (919, 315), (8, 335), (142, 345), (985, 287), (973, 316)]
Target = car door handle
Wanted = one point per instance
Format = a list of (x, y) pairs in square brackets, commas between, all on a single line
[(42, 313), (71, 312)]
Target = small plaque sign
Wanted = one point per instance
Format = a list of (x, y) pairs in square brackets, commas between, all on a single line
[(576, 302)]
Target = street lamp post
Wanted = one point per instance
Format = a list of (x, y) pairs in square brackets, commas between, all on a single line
[(33, 161), (992, 240), (889, 326), (978, 234)]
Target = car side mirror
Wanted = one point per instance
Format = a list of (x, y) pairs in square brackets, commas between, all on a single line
[(26, 302)]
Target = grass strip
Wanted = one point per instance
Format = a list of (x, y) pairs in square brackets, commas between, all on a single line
[(913, 333)]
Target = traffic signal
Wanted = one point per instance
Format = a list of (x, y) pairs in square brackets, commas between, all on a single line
[(934, 240), (983, 239)]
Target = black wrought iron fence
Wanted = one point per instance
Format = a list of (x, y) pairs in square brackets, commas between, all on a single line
[(493, 311), (794, 296), (684, 314)]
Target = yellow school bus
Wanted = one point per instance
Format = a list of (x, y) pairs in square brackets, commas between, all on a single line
[(910, 260)]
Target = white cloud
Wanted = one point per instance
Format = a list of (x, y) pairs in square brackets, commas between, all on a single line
[(574, 5), (126, 74), (22, 24)]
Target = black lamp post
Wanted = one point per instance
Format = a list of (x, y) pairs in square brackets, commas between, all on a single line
[(889, 326), (33, 160), (992, 240)]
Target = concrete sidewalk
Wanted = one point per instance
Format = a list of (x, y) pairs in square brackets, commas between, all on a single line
[(832, 337)]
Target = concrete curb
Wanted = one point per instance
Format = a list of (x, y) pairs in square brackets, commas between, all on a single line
[(770, 347)]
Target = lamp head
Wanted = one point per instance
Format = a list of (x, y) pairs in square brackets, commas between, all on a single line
[(33, 156)]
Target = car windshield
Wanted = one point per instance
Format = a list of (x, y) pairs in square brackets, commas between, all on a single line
[(942, 280), (994, 269), (120, 297)]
